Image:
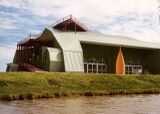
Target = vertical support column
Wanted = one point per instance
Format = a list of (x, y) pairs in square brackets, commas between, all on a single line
[(92, 67), (17, 54), (97, 67), (36, 63), (65, 27), (29, 54), (25, 56), (20, 55), (20, 51), (39, 56), (132, 69), (75, 28), (101, 68), (87, 67), (106, 69), (19, 59)]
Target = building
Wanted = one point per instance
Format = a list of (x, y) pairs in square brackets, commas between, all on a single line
[(69, 46)]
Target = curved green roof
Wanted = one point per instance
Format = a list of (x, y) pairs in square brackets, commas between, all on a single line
[(72, 51)]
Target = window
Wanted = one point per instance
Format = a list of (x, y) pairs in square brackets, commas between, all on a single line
[(133, 68), (94, 66)]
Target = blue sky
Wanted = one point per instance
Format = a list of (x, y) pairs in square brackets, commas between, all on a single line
[(19, 18)]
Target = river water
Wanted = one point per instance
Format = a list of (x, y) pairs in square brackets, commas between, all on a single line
[(132, 104)]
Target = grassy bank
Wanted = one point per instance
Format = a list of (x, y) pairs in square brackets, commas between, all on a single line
[(26, 85)]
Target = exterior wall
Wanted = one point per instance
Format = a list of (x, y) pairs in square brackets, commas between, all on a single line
[(109, 54), (152, 59), (133, 54), (148, 58)]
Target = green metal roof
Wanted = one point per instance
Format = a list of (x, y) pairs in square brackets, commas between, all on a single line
[(110, 40), (72, 51)]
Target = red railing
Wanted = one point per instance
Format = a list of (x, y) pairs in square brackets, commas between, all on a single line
[(80, 24), (53, 25), (61, 20), (31, 36), (73, 19)]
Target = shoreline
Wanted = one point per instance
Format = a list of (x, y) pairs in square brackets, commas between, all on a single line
[(29, 86), (59, 95)]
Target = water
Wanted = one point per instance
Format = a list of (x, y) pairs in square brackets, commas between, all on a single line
[(137, 104)]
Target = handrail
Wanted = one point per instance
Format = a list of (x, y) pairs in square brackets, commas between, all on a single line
[(53, 25), (80, 24), (73, 19), (61, 20), (31, 36)]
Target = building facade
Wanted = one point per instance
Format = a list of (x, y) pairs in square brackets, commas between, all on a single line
[(69, 46)]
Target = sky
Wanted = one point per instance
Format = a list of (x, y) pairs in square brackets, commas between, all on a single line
[(19, 18)]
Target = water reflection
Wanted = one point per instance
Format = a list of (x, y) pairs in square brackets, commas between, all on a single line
[(139, 104)]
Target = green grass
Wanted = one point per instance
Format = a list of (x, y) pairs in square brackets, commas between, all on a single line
[(27, 85)]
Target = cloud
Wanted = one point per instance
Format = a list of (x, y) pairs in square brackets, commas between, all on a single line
[(109, 7), (133, 18), (3, 64), (7, 51), (12, 3), (126, 17), (140, 26), (7, 55), (7, 24)]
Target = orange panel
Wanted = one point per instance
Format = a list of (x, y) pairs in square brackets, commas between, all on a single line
[(120, 64)]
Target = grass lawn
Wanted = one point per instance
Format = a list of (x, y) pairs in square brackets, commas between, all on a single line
[(29, 85)]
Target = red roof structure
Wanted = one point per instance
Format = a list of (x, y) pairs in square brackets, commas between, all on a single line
[(68, 23)]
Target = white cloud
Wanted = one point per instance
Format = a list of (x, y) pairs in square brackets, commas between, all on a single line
[(82, 7), (6, 56), (93, 12), (134, 18), (12, 3), (7, 52), (96, 12), (7, 24)]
